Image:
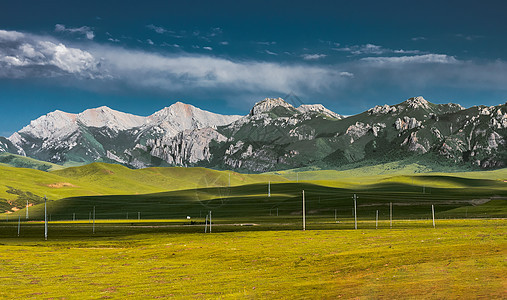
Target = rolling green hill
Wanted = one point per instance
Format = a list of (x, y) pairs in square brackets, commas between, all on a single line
[(17, 185), (241, 203), (197, 188)]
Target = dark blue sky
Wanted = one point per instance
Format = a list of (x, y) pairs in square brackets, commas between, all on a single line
[(223, 56)]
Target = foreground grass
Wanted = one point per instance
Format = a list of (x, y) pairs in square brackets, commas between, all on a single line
[(458, 259)]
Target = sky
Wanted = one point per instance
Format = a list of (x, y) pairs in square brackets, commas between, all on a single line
[(223, 56)]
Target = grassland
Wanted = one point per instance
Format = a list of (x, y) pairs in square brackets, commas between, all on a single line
[(452, 197), (460, 259), (18, 185), (257, 248)]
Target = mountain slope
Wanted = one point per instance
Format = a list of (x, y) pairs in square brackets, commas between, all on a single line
[(103, 134), (18, 161), (274, 136)]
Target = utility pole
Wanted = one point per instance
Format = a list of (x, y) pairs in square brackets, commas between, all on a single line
[(335, 214), (138, 215), (206, 225), (74, 217), (45, 219), (376, 221), (390, 215), (269, 188), (433, 214), (19, 224), (304, 213), (93, 220), (210, 221), (355, 211), (27, 209)]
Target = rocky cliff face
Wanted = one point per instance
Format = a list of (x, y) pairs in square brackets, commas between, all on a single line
[(105, 134)]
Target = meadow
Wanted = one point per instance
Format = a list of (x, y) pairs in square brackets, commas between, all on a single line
[(120, 233), (459, 259)]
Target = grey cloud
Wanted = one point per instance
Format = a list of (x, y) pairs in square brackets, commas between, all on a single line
[(426, 58), (371, 49), (23, 55), (313, 56), (158, 29), (186, 72), (26, 56), (85, 30)]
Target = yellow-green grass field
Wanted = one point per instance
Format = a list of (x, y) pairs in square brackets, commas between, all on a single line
[(459, 259), (17, 185), (256, 248)]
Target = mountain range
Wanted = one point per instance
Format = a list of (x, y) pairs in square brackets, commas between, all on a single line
[(275, 135)]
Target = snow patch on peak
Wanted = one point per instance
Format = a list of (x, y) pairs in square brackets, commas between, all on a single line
[(305, 108), (268, 104)]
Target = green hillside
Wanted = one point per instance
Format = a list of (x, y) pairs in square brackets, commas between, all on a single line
[(194, 187), (18, 161), (480, 197), (17, 185), (375, 172)]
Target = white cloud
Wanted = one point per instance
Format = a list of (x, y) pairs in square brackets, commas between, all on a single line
[(363, 49), (208, 48), (28, 55), (157, 29), (270, 52), (418, 38), (149, 41), (266, 43), (170, 45), (371, 49), (85, 30), (190, 72), (313, 56), (67, 59), (469, 37), (401, 51), (418, 59), (10, 35), (215, 32), (224, 43), (23, 55)]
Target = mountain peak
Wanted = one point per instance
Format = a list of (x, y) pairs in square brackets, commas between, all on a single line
[(319, 108), (268, 104), (417, 102), (105, 116)]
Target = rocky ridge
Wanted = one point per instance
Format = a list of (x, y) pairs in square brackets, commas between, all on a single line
[(273, 136)]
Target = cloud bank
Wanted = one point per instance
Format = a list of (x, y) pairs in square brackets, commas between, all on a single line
[(23, 55), (92, 65)]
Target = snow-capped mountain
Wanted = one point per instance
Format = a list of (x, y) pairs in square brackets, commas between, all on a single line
[(106, 134), (274, 135)]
